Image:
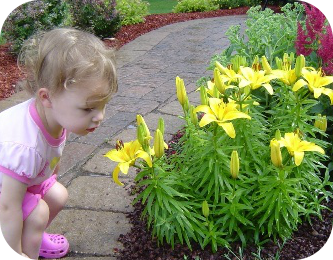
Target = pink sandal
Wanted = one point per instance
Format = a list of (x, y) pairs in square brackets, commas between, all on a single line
[(53, 246)]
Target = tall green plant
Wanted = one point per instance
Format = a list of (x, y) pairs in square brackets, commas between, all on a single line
[(267, 33), (244, 171)]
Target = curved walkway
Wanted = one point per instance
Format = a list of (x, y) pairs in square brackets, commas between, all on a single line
[(95, 214)]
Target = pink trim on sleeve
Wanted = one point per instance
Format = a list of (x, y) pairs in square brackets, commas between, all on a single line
[(14, 175), (50, 139)]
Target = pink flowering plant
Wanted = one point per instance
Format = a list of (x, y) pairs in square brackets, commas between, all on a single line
[(244, 170), (314, 38)]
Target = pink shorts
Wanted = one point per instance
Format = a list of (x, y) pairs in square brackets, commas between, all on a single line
[(34, 194)]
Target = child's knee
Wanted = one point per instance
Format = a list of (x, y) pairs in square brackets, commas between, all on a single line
[(62, 195), (57, 196), (39, 217)]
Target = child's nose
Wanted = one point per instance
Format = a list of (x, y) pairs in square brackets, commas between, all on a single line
[(99, 116)]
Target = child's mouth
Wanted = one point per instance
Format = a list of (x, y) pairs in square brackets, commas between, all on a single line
[(90, 130)]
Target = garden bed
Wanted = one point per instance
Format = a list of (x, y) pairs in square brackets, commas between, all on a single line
[(307, 240)]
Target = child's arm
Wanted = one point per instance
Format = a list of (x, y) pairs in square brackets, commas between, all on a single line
[(11, 219)]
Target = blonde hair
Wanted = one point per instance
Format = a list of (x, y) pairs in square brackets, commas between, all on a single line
[(64, 56)]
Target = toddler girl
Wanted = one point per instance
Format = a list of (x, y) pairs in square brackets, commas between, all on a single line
[(71, 76)]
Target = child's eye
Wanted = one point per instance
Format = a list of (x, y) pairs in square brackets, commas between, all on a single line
[(88, 109)]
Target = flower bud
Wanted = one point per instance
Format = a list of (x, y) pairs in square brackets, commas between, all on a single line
[(234, 164), (279, 63), (181, 92), (139, 121), (321, 122), (160, 125), (278, 135), (141, 134), (266, 65), (300, 64), (193, 116), (219, 66), (203, 96), (158, 144), (205, 209), (218, 81), (276, 156)]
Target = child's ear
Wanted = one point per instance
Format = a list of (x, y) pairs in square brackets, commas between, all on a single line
[(44, 97)]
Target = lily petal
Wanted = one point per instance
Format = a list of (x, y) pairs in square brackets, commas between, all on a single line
[(115, 155), (228, 128), (234, 115), (298, 157), (145, 156), (115, 176), (124, 166), (328, 92), (269, 88), (299, 84), (207, 119)]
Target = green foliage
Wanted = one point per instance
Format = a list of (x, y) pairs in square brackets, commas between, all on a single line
[(228, 4), (268, 33), (188, 6), (192, 196), (161, 7), (2, 39), (34, 16), (253, 2), (96, 16), (132, 11)]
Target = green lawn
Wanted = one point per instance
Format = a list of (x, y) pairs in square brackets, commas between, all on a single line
[(161, 6)]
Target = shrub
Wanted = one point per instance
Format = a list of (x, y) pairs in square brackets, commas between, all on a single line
[(228, 4), (34, 16), (2, 38), (188, 6), (96, 16), (267, 33), (132, 11)]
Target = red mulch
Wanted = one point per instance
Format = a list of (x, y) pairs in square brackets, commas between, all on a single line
[(10, 73)]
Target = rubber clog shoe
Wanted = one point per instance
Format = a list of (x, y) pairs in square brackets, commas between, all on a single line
[(53, 246)]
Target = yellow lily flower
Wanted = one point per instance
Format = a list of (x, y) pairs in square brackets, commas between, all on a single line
[(126, 154), (221, 113), (296, 147), (228, 75), (287, 76), (255, 79), (316, 82)]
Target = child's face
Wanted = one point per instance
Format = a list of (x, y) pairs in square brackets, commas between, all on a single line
[(81, 108)]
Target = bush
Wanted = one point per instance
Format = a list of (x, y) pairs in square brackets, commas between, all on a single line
[(267, 33), (188, 6), (132, 11), (228, 4), (34, 16), (96, 16), (2, 39)]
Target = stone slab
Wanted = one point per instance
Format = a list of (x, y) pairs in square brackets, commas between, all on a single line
[(99, 192), (74, 154), (91, 232), (171, 123)]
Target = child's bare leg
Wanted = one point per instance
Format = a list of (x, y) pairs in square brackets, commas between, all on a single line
[(33, 229), (56, 198)]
